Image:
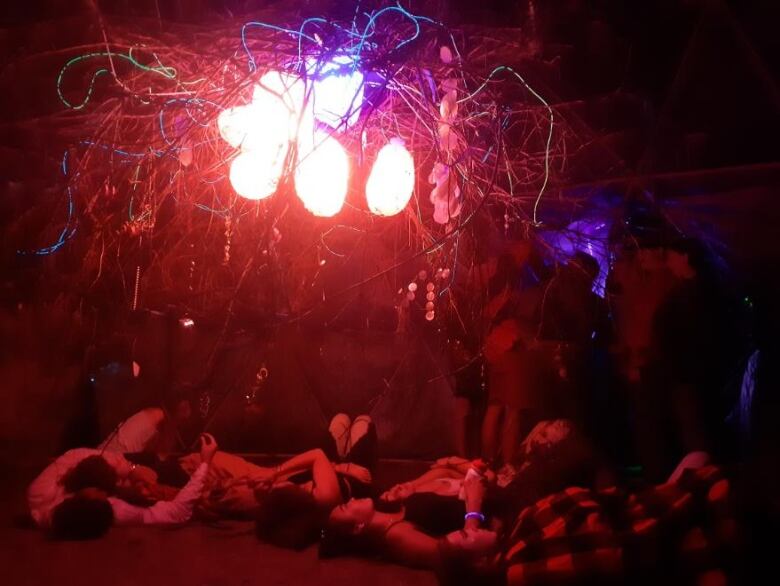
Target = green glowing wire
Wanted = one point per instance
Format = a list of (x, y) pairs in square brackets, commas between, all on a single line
[(166, 72)]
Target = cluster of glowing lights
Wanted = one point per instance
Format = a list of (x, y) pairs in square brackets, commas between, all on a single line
[(262, 130), (281, 112)]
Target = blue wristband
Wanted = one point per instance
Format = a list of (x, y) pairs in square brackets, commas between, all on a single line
[(474, 515)]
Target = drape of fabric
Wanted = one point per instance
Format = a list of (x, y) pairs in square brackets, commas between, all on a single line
[(578, 535)]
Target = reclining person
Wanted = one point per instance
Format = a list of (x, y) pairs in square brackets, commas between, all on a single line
[(237, 488), (74, 497), (681, 530), (554, 455)]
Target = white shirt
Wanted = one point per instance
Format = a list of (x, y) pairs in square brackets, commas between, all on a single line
[(136, 433), (46, 492), (179, 510)]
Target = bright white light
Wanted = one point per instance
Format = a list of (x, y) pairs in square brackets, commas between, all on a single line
[(391, 181), (280, 97), (255, 174), (276, 116), (234, 124), (322, 175), (338, 92)]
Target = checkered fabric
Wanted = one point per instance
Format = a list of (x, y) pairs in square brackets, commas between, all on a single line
[(580, 535)]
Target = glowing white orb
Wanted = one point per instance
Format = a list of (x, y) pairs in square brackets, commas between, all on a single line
[(234, 124), (255, 174), (338, 91), (322, 175), (280, 97), (391, 181)]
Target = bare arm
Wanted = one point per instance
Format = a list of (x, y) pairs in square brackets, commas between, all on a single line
[(411, 547), (326, 486)]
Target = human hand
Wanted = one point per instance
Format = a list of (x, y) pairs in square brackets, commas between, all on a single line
[(501, 339), (449, 462), (262, 477), (357, 472), (399, 492), (474, 488), (208, 447)]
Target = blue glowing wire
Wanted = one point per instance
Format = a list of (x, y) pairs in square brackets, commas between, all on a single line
[(252, 64), (67, 232), (187, 101)]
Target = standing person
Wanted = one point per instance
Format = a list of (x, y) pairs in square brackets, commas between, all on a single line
[(693, 338), (574, 322), (513, 396), (468, 371)]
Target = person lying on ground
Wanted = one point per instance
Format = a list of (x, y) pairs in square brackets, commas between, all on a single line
[(681, 530), (87, 512), (236, 487), (553, 456)]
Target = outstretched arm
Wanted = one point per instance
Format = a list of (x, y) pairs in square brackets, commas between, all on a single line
[(176, 511)]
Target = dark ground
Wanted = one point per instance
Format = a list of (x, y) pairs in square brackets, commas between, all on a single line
[(224, 554)]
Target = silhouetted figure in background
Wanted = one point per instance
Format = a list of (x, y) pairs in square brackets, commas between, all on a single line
[(684, 402)]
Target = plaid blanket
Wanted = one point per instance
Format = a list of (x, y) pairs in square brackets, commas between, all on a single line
[(681, 531)]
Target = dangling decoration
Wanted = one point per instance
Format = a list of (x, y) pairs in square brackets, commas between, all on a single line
[(228, 236), (136, 287), (257, 385), (204, 404)]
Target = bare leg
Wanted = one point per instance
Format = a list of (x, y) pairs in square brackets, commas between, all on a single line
[(360, 428), (339, 429)]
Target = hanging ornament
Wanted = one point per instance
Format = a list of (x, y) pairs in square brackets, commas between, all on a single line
[(228, 237), (205, 404), (257, 385)]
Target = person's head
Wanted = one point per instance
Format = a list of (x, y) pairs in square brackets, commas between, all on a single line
[(86, 515), (289, 517), (468, 557), (92, 472), (355, 514), (584, 268), (178, 403), (688, 258), (347, 530)]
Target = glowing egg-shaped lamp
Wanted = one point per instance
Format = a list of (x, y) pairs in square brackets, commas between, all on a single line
[(280, 97), (391, 181), (255, 174), (322, 175), (337, 92), (234, 124)]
